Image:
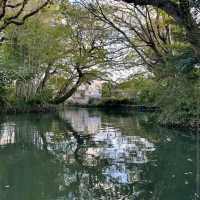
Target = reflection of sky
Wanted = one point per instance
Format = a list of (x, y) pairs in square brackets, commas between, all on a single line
[(81, 121), (119, 148), (118, 173), (110, 143)]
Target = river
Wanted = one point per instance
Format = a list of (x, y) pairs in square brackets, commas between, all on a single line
[(91, 154)]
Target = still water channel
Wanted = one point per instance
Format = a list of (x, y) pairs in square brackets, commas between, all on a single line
[(88, 154)]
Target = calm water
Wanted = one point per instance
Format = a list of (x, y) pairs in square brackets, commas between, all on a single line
[(95, 155)]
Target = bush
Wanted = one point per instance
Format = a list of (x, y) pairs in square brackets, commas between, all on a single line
[(136, 91), (116, 101), (179, 102), (41, 98)]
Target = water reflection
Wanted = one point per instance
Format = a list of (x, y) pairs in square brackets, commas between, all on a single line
[(7, 134), (81, 121), (90, 154)]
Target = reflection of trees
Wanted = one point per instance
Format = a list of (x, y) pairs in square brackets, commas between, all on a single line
[(26, 170), (117, 157), (93, 165), (172, 176), (107, 140), (52, 159), (165, 177)]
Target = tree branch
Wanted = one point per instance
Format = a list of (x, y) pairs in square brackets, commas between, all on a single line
[(168, 6)]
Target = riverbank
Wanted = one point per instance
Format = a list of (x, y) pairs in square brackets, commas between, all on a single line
[(155, 111), (115, 103), (138, 108), (193, 126), (159, 117), (26, 108)]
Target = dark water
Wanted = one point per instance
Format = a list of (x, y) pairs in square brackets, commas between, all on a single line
[(95, 155)]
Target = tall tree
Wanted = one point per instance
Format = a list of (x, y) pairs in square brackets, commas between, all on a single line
[(85, 51), (58, 54), (182, 12), (144, 30), (29, 55)]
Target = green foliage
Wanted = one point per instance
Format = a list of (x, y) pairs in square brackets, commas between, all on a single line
[(139, 91), (5, 78), (31, 47), (41, 98), (182, 62), (107, 89), (179, 101), (114, 101), (2, 97)]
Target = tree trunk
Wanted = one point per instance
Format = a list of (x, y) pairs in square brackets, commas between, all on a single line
[(68, 94)]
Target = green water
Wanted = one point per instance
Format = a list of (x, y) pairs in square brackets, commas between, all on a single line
[(91, 154)]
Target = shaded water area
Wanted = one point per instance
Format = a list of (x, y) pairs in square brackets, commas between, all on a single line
[(89, 154)]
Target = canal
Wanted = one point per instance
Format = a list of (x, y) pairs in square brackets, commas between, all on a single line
[(90, 154)]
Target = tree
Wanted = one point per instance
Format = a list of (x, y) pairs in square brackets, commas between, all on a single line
[(153, 36), (181, 11), (85, 51), (17, 12), (30, 56), (146, 31), (55, 54)]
